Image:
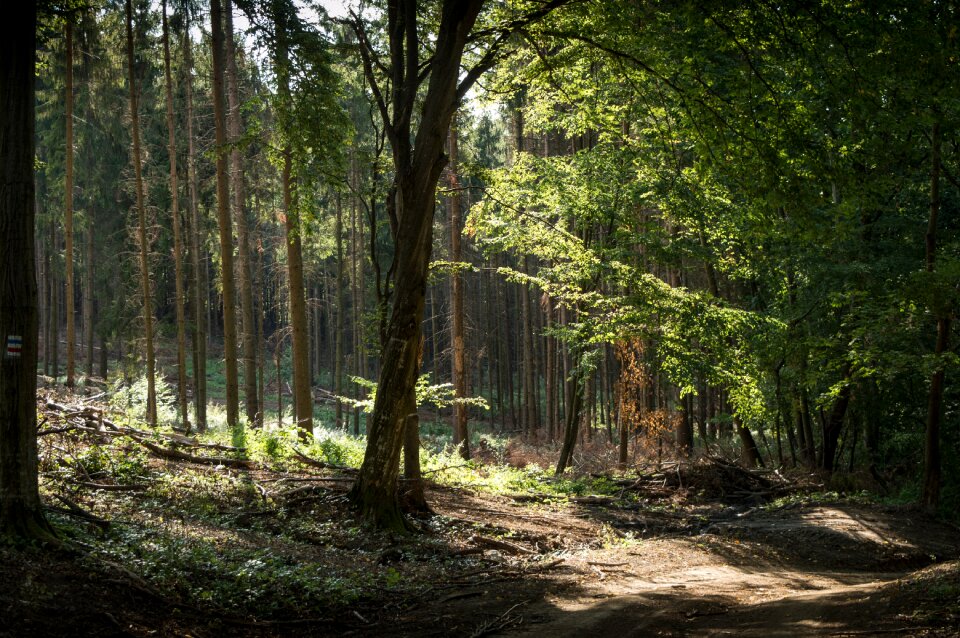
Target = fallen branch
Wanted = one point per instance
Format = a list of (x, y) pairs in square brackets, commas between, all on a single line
[(190, 458), (323, 465), (493, 543), (113, 487), (75, 510)]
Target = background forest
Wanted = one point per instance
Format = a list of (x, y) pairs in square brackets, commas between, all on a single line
[(661, 229)]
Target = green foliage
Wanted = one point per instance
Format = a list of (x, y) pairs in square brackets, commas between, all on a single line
[(131, 400), (440, 395)]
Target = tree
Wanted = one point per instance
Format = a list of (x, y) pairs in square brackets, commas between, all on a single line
[(245, 280), (21, 514), (418, 161), (144, 247), (461, 437), (224, 221), (178, 245), (68, 209)]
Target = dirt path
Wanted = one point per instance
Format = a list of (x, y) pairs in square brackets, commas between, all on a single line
[(826, 571)]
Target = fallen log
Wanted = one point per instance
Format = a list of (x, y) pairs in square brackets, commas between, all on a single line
[(113, 487), (204, 460), (323, 465)]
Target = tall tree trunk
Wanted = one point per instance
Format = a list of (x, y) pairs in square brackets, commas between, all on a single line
[(302, 397), (142, 229), (21, 513), (198, 294), (245, 281), (68, 212), (338, 330), (88, 301), (930, 497), (224, 221), (461, 437), (175, 220)]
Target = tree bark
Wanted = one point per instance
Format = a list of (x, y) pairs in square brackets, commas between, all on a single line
[(834, 423), (572, 425), (930, 497), (751, 454), (21, 514), (245, 280), (198, 292), (68, 212), (177, 234), (302, 397), (338, 330), (224, 221), (142, 228), (461, 437)]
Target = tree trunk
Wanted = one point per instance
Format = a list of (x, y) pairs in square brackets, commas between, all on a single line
[(142, 229), (175, 221), (198, 292), (751, 454), (224, 221), (572, 424), (21, 513), (68, 212), (412, 496), (245, 279), (302, 397), (88, 302), (417, 168), (834, 423), (930, 497), (338, 330), (461, 437)]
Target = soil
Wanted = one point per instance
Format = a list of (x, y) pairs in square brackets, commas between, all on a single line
[(673, 560)]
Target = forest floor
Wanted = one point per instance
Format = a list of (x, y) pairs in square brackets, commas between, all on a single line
[(159, 546)]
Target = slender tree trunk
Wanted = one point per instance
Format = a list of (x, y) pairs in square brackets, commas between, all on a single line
[(930, 497), (302, 397), (21, 513), (198, 292), (68, 212), (461, 437), (175, 222), (224, 221), (572, 425), (234, 126), (88, 302), (142, 229), (338, 330)]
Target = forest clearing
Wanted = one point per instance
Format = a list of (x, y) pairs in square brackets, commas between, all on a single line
[(479, 317)]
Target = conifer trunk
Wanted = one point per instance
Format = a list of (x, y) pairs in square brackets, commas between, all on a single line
[(245, 280), (224, 220), (21, 513), (68, 212), (198, 294), (930, 497), (177, 233), (142, 229), (461, 437), (302, 397)]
